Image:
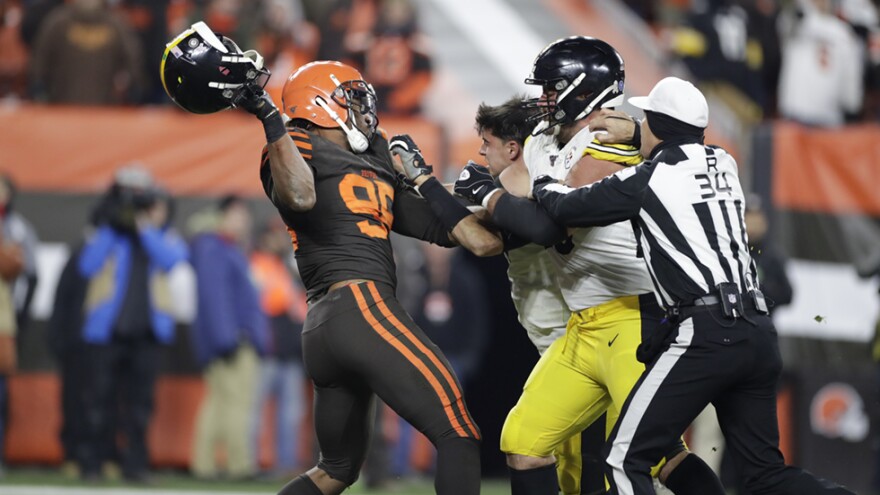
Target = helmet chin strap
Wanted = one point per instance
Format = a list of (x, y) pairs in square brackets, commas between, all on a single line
[(356, 139)]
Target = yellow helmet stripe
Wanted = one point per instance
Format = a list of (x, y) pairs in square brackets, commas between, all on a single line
[(170, 46)]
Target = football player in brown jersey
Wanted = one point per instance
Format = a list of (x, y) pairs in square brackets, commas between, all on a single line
[(358, 342)]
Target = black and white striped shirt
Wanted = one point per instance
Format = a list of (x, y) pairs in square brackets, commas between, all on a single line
[(687, 207)]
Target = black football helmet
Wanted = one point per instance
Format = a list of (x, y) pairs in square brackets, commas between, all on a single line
[(204, 72), (586, 74)]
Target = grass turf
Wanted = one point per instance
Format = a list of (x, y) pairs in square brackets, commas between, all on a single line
[(33, 481)]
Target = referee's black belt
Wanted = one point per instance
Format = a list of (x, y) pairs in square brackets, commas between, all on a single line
[(752, 300)]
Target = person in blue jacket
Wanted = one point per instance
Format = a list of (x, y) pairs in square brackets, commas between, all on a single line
[(127, 317), (229, 334)]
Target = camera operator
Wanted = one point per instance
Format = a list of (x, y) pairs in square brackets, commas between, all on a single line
[(127, 316)]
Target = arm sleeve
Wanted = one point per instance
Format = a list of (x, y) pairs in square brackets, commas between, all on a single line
[(613, 199), (526, 220), (413, 217), (164, 249), (96, 251)]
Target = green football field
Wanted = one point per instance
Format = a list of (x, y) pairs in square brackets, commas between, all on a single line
[(51, 482)]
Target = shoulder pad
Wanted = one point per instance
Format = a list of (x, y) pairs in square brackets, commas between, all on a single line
[(623, 154)]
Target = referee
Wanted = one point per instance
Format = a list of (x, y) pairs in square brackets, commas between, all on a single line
[(718, 346)]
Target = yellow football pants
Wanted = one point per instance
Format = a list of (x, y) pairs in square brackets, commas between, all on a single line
[(588, 371)]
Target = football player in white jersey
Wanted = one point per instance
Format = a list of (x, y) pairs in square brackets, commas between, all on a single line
[(534, 290), (592, 369)]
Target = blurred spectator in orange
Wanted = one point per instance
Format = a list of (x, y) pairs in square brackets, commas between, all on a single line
[(394, 58), (13, 54), (148, 19), (84, 54), (821, 81), (286, 41), (720, 44), (282, 376)]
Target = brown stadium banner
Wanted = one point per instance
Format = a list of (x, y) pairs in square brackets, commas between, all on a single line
[(823, 191)]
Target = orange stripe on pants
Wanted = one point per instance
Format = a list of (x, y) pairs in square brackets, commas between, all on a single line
[(433, 357), (438, 389)]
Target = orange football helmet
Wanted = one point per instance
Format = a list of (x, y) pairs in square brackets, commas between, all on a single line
[(326, 94)]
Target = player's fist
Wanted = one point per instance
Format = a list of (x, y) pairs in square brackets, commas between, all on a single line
[(474, 183), (616, 127), (254, 99), (414, 165)]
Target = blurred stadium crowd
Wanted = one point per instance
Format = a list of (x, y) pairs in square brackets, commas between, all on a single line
[(754, 55)]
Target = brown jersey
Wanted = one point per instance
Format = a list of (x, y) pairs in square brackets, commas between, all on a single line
[(359, 200)]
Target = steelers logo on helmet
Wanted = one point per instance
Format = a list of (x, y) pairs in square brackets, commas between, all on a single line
[(205, 72), (577, 75)]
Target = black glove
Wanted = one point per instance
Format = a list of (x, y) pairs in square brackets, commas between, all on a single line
[(256, 100), (540, 182), (414, 165), (475, 183)]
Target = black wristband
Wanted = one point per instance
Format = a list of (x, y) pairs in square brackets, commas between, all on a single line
[(443, 204), (274, 127), (637, 134)]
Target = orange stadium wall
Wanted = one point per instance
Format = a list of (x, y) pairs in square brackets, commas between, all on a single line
[(76, 149), (35, 422), (827, 171)]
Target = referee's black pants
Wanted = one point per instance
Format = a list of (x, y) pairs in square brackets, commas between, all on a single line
[(733, 364)]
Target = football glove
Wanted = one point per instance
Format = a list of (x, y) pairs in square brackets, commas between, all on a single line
[(475, 183), (540, 182), (414, 165), (255, 100)]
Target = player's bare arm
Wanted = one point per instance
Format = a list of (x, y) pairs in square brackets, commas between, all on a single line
[(292, 177), (464, 227), (294, 181)]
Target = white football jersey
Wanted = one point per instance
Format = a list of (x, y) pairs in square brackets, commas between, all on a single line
[(601, 265), (536, 295)]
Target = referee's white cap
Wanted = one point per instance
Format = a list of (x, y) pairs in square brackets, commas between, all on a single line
[(678, 99)]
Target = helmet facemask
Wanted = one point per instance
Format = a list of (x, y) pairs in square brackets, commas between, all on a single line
[(577, 75), (256, 75), (572, 101), (358, 98)]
